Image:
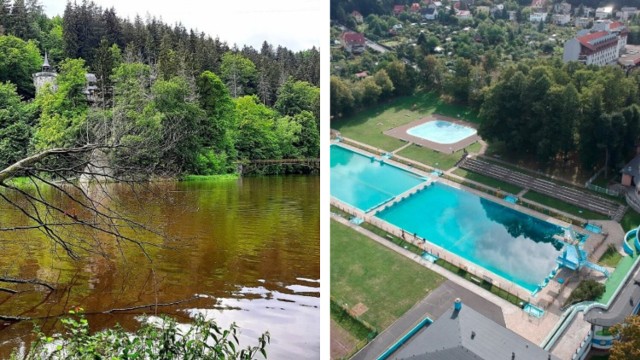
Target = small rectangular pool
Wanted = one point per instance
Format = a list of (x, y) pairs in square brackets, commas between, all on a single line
[(366, 182), (511, 244), (442, 132)]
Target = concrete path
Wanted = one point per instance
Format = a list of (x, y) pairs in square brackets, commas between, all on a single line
[(402, 148), (623, 305), (571, 338), (433, 305)]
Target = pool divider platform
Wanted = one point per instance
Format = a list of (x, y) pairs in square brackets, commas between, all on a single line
[(402, 196)]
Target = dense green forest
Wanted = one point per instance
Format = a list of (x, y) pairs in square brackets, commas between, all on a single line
[(168, 100)]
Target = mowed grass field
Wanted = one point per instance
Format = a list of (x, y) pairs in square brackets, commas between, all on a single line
[(369, 125), (435, 158), (363, 271)]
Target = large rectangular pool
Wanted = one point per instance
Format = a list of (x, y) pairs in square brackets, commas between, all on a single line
[(508, 243), (364, 182), (511, 244)]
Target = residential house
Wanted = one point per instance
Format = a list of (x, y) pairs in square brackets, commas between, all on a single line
[(537, 5), (561, 19), (415, 7), (497, 10), (626, 13), (353, 42), (430, 13), (562, 8), (483, 10), (464, 15), (361, 75), (357, 16), (586, 11), (604, 12), (583, 22), (398, 9), (537, 17), (513, 15)]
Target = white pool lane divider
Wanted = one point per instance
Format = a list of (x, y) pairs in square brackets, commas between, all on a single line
[(402, 196)]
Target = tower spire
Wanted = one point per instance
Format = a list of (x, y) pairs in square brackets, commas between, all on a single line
[(45, 65)]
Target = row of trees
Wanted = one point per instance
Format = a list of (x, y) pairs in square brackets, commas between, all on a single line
[(173, 124), (459, 80), (88, 31), (551, 110)]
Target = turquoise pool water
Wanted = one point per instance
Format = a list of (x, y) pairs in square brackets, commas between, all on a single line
[(365, 183), (514, 245), (442, 132)]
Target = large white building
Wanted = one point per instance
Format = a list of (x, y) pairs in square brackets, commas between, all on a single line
[(601, 46)]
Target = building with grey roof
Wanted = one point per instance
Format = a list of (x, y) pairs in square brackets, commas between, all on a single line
[(468, 335)]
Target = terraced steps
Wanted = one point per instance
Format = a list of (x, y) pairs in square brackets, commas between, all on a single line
[(567, 194)]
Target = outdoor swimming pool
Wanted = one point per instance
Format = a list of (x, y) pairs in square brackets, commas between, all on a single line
[(364, 182), (511, 244), (442, 132)]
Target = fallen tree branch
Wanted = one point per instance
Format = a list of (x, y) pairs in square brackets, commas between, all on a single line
[(14, 318), (26, 281), (144, 306), (34, 159), (110, 311)]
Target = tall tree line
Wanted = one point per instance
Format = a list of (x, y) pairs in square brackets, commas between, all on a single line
[(86, 29)]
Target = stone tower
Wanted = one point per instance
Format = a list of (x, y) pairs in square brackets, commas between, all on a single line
[(46, 76)]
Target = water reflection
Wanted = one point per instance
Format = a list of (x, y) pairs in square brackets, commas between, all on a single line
[(508, 243), (224, 240), (365, 183)]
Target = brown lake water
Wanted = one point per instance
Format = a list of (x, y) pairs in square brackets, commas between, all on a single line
[(248, 248)]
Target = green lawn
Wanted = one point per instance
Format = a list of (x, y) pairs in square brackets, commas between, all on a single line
[(368, 125), (489, 181), (610, 258), (363, 271), (435, 158), (631, 220), (563, 206)]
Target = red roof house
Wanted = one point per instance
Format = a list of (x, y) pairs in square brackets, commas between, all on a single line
[(353, 42)]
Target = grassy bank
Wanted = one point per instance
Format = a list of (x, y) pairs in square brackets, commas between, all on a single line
[(563, 206), (489, 181), (209, 177), (368, 125), (435, 158), (367, 273)]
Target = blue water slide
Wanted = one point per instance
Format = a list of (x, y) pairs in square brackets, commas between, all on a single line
[(625, 243), (636, 242)]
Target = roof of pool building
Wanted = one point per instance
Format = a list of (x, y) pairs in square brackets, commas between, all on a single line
[(466, 334)]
